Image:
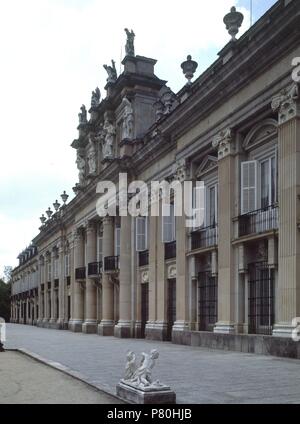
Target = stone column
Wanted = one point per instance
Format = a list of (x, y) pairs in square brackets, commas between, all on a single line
[(124, 327), (46, 312), (150, 326), (61, 287), (41, 271), (225, 144), (287, 104), (106, 327), (90, 322), (159, 329), (77, 317), (53, 318), (182, 275)]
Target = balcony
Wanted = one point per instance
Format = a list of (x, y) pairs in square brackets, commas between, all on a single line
[(80, 273), (170, 250), (144, 258), (204, 237), (94, 269), (111, 263), (259, 221)]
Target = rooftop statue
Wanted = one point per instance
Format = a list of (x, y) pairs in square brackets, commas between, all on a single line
[(111, 71), (129, 48), (96, 96), (82, 115)]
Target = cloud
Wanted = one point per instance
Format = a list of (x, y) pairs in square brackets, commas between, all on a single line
[(52, 56)]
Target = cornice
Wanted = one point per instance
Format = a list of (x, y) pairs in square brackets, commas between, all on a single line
[(255, 52)]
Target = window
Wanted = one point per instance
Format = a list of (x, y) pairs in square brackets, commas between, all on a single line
[(258, 184), (67, 265), (117, 239), (141, 233), (209, 205), (268, 184), (168, 224), (100, 247), (49, 272), (55, 268)]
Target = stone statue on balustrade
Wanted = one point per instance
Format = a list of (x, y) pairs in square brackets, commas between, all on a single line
[(96, 96), (80, 162), (109, 141), (129, 48), (128, 120), (82, 115), (92, 156), (111, 72)]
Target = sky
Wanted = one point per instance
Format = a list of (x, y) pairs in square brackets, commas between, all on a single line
[(52, 56)]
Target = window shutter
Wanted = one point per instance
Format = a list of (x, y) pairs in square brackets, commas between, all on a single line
[(168, 226), (141, 234), (248, 187)]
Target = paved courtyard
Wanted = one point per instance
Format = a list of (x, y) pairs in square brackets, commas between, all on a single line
[(25, 381), (197, 375)]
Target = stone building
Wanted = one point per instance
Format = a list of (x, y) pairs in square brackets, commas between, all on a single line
[(237, 128)]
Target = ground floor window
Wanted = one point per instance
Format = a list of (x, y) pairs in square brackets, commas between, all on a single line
[(171, 307), (144, 308), (261, 298), (208, 301)]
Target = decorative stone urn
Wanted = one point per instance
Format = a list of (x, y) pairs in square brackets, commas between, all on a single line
[(189, 68), (233, 22)]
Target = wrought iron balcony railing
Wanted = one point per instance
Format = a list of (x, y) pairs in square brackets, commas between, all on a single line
[(144, 258), (94, 269), (204, 237), (170, 250), (259, 221), (80, 273), (111, 263)]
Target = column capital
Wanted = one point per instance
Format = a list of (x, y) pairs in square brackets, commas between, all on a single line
[(287, 104), (107, 220), (91, 227), (224, 143), (182, 170)]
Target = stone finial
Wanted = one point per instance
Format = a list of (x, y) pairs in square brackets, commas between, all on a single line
[(129, 48), (233, 22), (223, 142), (286, 103), (111, 72), (189, 68)]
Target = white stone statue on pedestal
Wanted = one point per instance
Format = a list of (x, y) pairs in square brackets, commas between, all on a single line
[(140, 376), (128, 120), (108, 145)]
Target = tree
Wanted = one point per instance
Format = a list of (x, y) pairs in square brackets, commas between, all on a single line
[(5, 300)]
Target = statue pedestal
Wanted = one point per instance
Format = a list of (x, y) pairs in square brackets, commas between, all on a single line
[(146, 396)]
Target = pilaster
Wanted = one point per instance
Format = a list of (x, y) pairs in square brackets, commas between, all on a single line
[(287, 105), (224, 142)]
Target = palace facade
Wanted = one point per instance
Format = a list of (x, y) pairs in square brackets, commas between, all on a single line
[(237, 128)]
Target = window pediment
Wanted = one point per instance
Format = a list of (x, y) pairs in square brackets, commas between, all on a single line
[(208, 164), (261, 133)]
